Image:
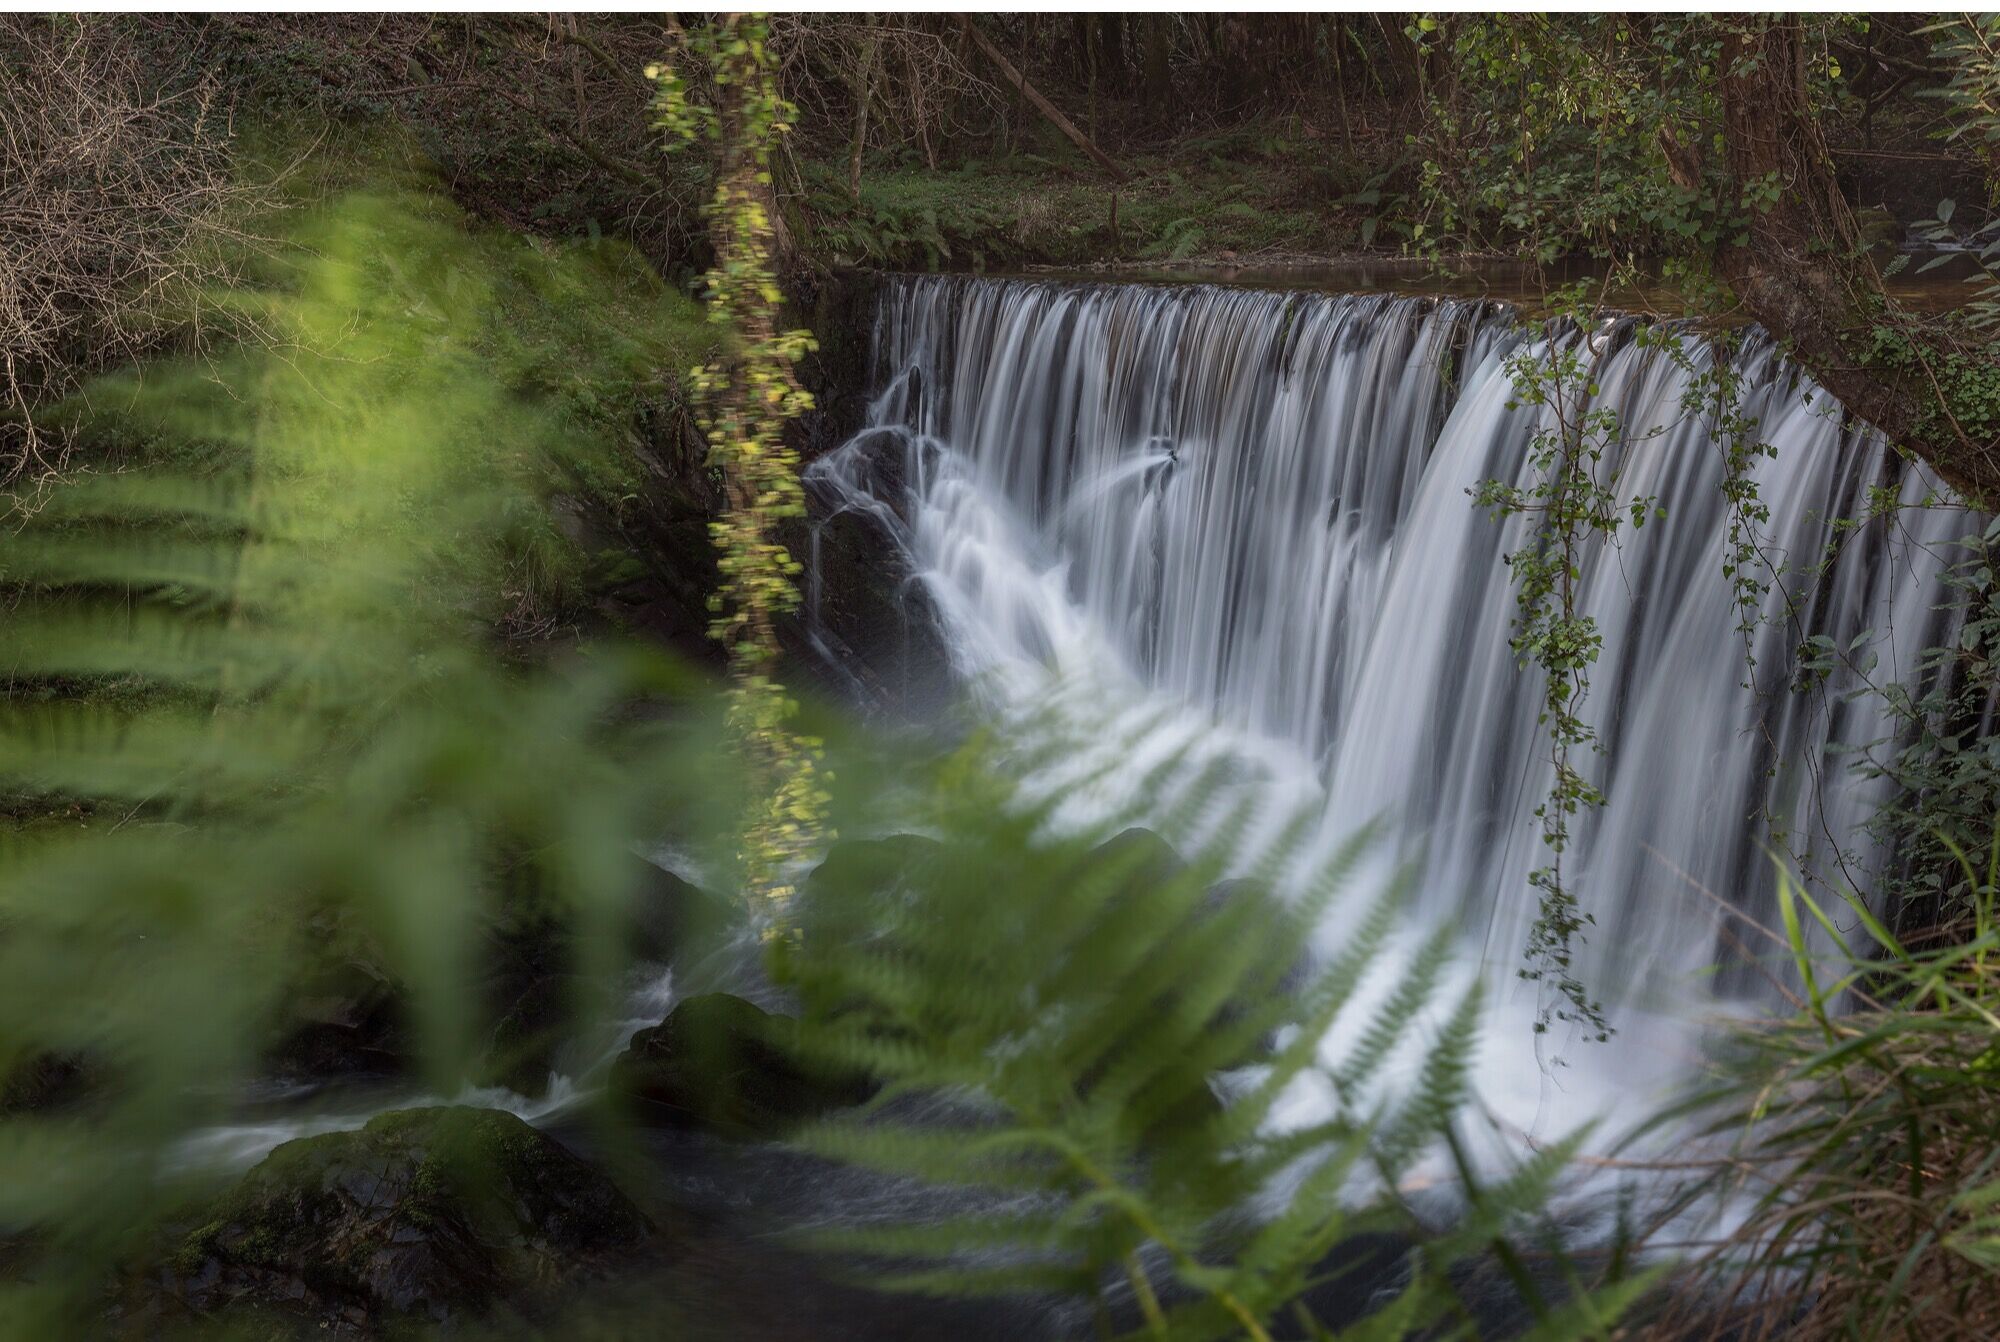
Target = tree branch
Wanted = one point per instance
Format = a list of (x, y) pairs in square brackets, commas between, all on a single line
[(1800, 269), (1041, 104)]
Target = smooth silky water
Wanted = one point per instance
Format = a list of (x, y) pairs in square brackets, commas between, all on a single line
[(1183, 524)]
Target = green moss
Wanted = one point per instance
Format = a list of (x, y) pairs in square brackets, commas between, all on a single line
[(261, 1246), (311, 1228), (194, 1249)]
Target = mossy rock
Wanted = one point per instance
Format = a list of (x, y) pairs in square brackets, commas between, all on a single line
[(725, 1066), (422, 1216)]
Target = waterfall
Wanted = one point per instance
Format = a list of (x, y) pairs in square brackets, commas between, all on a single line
[(1241, 519)]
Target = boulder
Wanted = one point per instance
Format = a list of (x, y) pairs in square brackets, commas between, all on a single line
[(722, 1065), (1153, 860), (345, 1021), (45, 1081), (867, 632), (536, 1015), (670, 915), (422, 1216), (857, 874)]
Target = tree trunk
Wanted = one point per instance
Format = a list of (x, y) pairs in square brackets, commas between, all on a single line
[(864, 95), (1800, 269), (1159, 61), (1019, 83), (1111, 31)]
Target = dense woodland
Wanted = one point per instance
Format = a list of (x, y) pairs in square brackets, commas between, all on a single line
[(401, 426)]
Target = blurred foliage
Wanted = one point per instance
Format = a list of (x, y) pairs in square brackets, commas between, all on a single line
[(1087, 1045), (257, 719)]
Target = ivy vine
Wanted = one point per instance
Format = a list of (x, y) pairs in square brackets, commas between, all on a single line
[(747, 394)]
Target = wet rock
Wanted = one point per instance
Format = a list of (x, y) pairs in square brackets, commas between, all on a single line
[(842, 895), (1297, 961), (840, 309), (722, 1065), (424, 1215), (1153, 861), (346, 1022), (867, 631), (349, 1021), (523, 1047), (671, 916), (534, 990), (46, 1081), (530, 991)]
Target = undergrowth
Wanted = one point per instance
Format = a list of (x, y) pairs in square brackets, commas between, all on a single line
[(1257, 190), (1860, 1189)]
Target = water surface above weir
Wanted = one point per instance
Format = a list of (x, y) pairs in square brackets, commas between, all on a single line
[(1521, 284)]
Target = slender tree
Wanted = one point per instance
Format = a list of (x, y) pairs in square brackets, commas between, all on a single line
[(748, 393)]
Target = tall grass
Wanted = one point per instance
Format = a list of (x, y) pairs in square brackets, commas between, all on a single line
[(1860, 1191)]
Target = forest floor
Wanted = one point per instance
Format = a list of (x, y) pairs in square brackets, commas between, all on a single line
[(1264, 193), (1273, 192)]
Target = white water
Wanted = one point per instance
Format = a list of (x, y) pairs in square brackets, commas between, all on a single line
[(1237, 522)]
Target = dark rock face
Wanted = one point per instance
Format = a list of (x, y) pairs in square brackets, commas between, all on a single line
[(671, 916), (347, 1023), (840, 309), (722, 1065), (534, 992), (536, 1016), (425, 1215), (1153, 859), (867, 630), (841, 895), (43, 1082)]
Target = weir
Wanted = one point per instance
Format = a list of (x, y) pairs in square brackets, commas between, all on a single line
[(1199, 523)]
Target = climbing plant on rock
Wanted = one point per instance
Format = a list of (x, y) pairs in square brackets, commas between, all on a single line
[(747, 393)]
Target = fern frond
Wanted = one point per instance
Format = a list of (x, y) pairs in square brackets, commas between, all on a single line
[(1393, 1018), (1087, 1020), (1442, 1088)]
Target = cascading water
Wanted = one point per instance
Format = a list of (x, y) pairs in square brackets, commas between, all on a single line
[(1237, 523)]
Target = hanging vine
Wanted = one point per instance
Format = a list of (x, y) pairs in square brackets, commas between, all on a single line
[(747, 395), (1571, 492)]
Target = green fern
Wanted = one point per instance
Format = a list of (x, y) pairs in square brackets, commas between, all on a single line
[(257, 722), (1106, 1034)]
